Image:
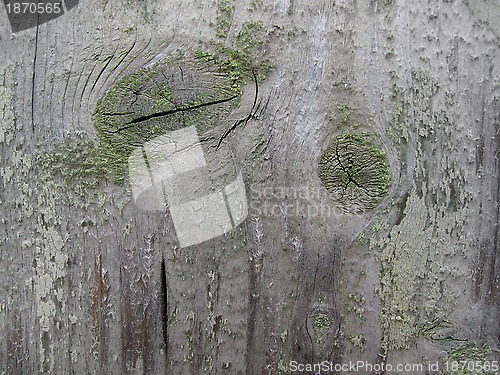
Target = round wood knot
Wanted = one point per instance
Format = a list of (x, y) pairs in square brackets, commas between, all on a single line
[(165, 97), (355, 172)]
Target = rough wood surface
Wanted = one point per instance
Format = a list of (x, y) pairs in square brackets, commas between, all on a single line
[(90, 283)]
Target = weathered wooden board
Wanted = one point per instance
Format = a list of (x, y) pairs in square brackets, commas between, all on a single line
[(91, 283)]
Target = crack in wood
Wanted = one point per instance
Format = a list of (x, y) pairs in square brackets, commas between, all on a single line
[(245, 120), (135, 121), (34, 74), (355, 172), (108, 60), (164, 305)]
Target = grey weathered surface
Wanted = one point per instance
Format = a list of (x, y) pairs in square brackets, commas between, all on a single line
[(92, 284)]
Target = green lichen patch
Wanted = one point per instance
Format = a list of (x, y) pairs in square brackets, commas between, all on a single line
[(153, 101), (469, 352), (356, 306), (358, 341), (469, 358), (225, 13), (321, 321), (251, 37), (242, 59), (199, 89), (415, 293), (82, 163), (355, 172), (320, 326)]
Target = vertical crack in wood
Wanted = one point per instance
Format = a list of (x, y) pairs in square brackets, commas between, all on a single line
[(164, 306), (34, 75)]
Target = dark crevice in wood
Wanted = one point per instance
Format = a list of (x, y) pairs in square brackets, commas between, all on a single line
[(164, 306), (123, 58), (118, 113), (135, 121), (87, 83), (243, 120), (109, 59), (346, 170), (121, 61), (34, 74)]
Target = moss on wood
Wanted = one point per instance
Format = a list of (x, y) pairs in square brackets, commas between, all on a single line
[(355, 172)]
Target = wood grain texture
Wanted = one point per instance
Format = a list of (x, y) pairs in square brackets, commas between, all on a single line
[(93, 284)]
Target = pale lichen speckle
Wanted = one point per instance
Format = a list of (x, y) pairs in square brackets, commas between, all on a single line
[(51, 261), (7, 115)]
